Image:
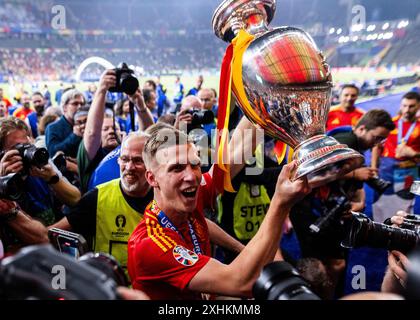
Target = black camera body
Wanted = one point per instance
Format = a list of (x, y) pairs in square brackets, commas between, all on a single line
[(32, 156), (60, 162), (201, 117), (334, 209), (126, 82), (378, 184), (34, 273), (11, 186)]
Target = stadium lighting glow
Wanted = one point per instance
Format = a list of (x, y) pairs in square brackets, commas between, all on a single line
[(385, 26), (402, 24), (371, 27), (388, 35), (381, 36), (332, 30), (343, 39), (355, 38), (339, 31), (357, 27)]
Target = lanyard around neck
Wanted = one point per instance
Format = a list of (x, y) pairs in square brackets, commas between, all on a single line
[(400, 131), (165, 222)]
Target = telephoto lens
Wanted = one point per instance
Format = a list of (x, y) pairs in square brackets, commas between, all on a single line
[(280, 281), (363, 232)]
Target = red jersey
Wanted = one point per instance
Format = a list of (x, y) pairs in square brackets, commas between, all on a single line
[(392, 141), (22, 112), (338, 118), (7, 102), (161, 261)]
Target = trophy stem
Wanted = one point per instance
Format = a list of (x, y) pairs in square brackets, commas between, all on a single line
[(323, 159)]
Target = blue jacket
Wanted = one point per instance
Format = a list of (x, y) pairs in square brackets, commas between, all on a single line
[(59, 136)]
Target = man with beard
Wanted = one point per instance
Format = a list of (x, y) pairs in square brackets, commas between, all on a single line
[(109, 213), (33, 118), (169, 252), (23, 111), (102, 135), (346, 113), (399, 160)]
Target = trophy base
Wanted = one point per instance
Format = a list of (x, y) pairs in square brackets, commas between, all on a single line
[(323, 159)]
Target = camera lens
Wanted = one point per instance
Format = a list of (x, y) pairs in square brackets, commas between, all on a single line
[(38, 157), (11, 186), (365, 232), (129, 84), (280, 281)]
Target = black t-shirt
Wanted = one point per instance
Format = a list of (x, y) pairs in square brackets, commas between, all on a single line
[(82, 217)]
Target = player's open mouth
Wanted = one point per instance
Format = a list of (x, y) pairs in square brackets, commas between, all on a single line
[(189, 192)]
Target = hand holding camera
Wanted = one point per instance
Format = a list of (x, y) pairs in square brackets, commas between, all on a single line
[(184, 117), (46, 173), (11, 162), (22, 157), (124, 80), (365, 173), (107, 81)]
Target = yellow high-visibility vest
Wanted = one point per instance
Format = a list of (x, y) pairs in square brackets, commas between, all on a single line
[(115, 221)]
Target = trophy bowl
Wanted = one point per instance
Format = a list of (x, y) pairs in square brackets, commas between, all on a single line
[(287, 88)]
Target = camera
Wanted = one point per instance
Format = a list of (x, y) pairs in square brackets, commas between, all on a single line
[(378, 184), (60, 162), (32, 156), (11, 186), (363, 232), (34, 271), (332, 213), (126, 82), (280, 281), (201, 117)]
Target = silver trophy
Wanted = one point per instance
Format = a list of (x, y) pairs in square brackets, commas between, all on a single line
[(288, 85)]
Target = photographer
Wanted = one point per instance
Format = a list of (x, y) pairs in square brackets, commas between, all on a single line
[(198, 123), (42, 183), (338, 197), (102, 134), (396, 274)]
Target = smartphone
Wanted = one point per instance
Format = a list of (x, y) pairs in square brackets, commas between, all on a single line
[(67, 242)]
